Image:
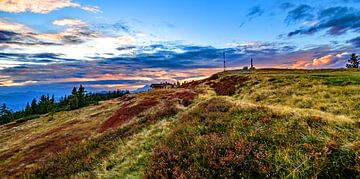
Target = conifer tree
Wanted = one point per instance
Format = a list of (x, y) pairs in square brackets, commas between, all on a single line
[(353, 62), (34, 107)]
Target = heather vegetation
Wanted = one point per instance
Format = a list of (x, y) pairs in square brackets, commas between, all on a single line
[(264, 123), (219, 138)]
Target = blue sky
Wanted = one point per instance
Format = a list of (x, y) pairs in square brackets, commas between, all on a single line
[(51, 45)]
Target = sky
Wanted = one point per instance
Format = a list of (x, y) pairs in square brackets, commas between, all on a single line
[(49, 46)]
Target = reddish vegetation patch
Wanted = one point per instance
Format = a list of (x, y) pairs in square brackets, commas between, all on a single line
[(193, 84), (5, 155), (55, 130), (127, 97), (40, 153), (166, 102), (11, 125), (227, 85), (126, 113), (185, 97), (219, 159)]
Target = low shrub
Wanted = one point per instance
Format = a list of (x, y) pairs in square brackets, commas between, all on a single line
[(27, 118)]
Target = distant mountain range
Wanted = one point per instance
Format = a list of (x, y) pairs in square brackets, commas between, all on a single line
[(17, 101)]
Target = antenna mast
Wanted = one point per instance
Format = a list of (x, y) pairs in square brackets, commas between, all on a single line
[(224, 61)]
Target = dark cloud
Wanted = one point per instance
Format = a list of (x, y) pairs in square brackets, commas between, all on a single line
[(168, 25), (355, 42), (126, 48), (78, 35), (121, 26), (255, 11), (286, 6), (347, 1), (160, 56), (35, 58), (301, 12), (6, 36), (10, 37), (335, 20)]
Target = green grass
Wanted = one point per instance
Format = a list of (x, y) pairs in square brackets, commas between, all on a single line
[(129, 158), (305, 91)]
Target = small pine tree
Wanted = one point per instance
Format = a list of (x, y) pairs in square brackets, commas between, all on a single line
[(353, 62), (74, 103), (34, 107), (3, 109), (27, 109), (74, 91), (81, 95)]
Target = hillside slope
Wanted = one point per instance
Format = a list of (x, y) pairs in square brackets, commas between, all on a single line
[(263, 123)]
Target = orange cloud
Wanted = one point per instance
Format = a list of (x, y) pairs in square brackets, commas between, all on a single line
[(69, 22), (13, 26), (41, 6), (325, 60), (13, 83), (300, 64), (319, 62)]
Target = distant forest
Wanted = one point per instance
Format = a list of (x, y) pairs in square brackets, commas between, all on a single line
[(79, 98)]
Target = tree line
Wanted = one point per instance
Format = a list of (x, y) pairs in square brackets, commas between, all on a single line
[(79, 98)]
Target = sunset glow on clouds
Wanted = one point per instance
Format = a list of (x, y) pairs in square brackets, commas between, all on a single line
[(41, 6), (115, 44)]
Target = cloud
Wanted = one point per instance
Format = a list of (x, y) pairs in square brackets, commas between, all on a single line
[(302, 12), (353, 1), (41, 6), (286, 6), (355, 42), (335, 20), (321, 62), (20, 36), (12, 33), (93, 9), (255, 11), (69, 22), (7, 25)]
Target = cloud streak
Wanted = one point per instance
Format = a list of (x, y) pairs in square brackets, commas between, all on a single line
[(334, 20), (41, 6), (69, 22)]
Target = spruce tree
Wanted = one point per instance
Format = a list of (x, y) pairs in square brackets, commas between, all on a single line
[(74, 91), (81, 96), (353, 62), (34, 107), (28, 109), (3, 109)]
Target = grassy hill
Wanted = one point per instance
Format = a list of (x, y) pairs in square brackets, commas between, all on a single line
[(261, 123)]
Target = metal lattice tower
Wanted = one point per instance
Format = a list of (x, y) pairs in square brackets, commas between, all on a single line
[(224, 61)]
